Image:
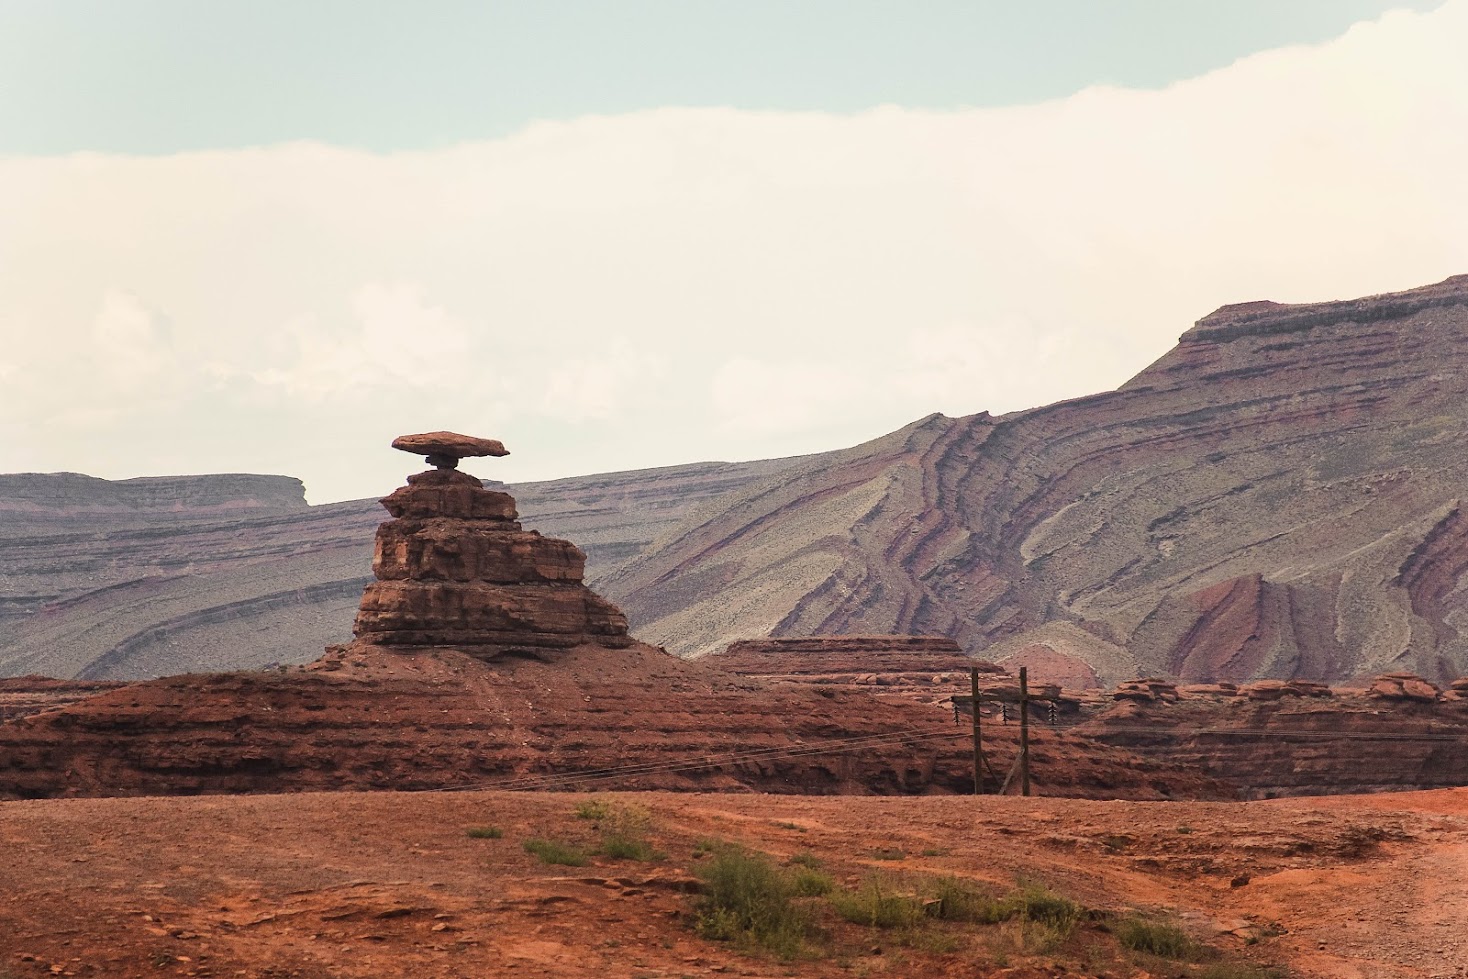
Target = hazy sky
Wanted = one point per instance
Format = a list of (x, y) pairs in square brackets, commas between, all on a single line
[(268, 237)]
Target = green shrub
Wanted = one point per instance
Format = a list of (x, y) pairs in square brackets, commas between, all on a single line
[(877, 905), (889, 854), (747, 900), (624, 833), (485, 832), (1161, 938), (806, 859), (1034, 902), (807, 882), (551, 851), (1039, 921), (957, 900), (622, 847), (593, 809)]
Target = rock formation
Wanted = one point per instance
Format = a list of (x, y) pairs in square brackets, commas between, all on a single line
[(1276, 738), (138, 578), (1279, 496), (455, 569), (927, 669), (482, 659)]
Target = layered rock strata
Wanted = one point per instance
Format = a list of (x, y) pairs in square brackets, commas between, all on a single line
[(370, 717), (454, 568), (1279, 496), (482, 659), (143, 578), (1295, 743), (928, 669)]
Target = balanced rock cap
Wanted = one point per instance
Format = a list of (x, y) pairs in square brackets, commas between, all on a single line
[(445, 449)]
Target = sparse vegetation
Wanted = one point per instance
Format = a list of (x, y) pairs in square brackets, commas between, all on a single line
[(748, 901), (624, 832), (782, 824), (1160, 938), (484, 832), (808, 882), (957, 900), (877, 904), (889, 853), (806, 859), (552, 851), (594, 810), (1039, 921)]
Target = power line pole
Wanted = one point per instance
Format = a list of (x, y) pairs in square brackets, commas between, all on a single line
[(973, 685), (1024, 729)]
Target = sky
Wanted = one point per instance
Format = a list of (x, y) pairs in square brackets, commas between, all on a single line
[(269, 237)]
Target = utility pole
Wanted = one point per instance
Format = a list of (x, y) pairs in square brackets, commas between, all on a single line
[(1024, 728), (973, 685)]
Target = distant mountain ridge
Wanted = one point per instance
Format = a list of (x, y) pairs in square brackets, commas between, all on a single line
[(139, 578), (1279, 495)]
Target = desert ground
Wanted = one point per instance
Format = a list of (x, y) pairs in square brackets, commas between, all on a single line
[(441, 885)]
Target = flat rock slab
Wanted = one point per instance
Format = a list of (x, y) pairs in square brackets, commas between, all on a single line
[(450, 444)]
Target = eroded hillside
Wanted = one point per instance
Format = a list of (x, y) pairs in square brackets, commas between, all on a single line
[(1277, 496)]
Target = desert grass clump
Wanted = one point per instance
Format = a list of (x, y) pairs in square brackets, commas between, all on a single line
[(806, 859), (748, 901), (877, 904), (555, 852), (624, 831), (594, 810), (809, 882), (484, 833), (957, 900), (889, 853), (1039, 921), (1161, 938)]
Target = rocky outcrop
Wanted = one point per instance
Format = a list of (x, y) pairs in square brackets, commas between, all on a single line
[(370, 717), (1279, 496), (1275, 738), (455, 569), (482, 659), (927, 669), (23, 696), (142, 578)]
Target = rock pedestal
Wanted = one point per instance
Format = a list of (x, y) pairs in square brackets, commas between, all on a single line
[(455, 569)]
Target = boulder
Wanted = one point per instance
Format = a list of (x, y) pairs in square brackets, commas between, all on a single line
[(1402, 686)]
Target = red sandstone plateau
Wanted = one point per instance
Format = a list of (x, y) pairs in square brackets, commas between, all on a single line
[(482, 659), (927, 669)]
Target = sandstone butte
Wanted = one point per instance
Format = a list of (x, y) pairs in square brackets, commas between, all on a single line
[(482, 659), (1280, 496)]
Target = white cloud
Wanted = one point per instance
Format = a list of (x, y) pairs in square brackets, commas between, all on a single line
[(701, 283)]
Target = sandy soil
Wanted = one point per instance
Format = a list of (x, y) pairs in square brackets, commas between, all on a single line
[(385, 884)]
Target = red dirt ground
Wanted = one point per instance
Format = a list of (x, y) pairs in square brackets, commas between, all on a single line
[(390, 884)]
